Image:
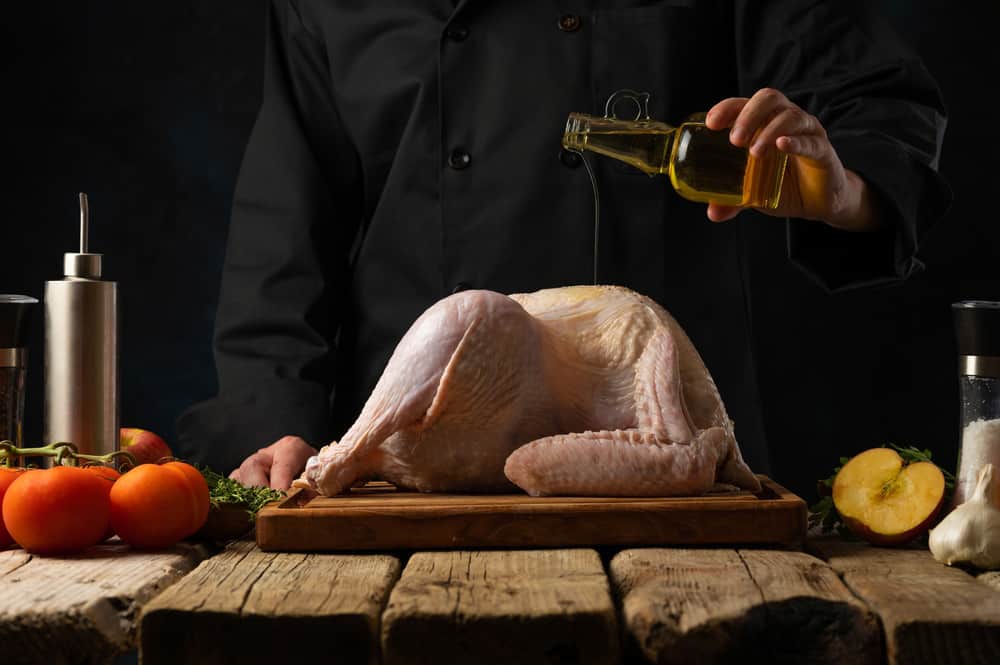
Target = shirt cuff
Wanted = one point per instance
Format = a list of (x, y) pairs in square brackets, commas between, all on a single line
[(912, 196)]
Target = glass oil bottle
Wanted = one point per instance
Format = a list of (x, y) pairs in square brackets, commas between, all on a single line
[(701, 163)]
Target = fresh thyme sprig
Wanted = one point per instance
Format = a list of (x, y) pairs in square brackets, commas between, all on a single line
[(823, 514), (223, 490)]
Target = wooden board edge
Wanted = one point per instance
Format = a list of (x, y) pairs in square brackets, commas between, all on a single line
[(370, 531), (281, 526)]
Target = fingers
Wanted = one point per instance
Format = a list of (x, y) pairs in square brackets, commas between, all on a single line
[(255, 470), (721, 213), (812, 147), (724, 114), (283, 472), (790, 122), (276, 465), (289, 462), (764, 118), (756, 113)]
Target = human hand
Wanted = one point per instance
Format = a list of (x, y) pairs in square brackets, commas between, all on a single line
[(276, 465), (816, 184)]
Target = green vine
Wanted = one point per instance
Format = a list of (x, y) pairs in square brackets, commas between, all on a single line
[(64, 454)]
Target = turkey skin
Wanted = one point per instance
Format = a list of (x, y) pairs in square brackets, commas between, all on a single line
[(584, 390)]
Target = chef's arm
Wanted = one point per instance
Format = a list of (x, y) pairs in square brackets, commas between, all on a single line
[(293, 217), (883, 114)]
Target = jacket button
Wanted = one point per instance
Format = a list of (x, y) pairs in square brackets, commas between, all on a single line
[(456, 32), (459, 159), (570, 158), (569, 22), (461, 286)]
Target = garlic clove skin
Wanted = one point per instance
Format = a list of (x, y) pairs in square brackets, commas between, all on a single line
[(971, 532)]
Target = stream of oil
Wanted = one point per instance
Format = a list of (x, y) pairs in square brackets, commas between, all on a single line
[(597, 209)]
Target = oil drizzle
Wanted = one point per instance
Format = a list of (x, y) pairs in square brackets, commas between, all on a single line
[(597, 209)]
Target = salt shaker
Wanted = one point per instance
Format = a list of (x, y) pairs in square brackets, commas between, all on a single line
[(977, 331), (81, 352)]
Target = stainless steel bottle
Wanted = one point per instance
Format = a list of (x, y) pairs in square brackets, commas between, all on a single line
[(81, 352)]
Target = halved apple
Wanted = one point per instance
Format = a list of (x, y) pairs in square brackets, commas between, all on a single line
[(885, 502)]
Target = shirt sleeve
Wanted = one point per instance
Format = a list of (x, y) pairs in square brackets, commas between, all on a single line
[(294, 215), (883, 113)]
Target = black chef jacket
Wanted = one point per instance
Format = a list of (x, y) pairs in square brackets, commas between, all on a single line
[(408, 149)]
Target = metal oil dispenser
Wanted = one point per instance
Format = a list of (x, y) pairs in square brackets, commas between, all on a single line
[(81, 352)]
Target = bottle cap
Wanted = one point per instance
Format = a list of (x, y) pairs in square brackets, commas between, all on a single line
[(977, 327), (14, 314), (84, 265)]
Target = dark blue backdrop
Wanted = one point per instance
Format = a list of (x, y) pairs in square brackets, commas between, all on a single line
[(146, 106)]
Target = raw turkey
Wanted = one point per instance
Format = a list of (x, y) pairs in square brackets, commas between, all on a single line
[(585, 390)]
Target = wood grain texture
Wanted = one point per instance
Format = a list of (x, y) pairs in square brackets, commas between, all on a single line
[(727, 606), (525, 607), (990, 578), (81, 608), (380, 518), (248, 606), (930, 613)]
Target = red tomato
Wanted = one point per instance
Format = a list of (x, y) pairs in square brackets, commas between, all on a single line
[(109, 474), (57, 510), (153, 507), (106, 472), (7, 476), (199, 488)]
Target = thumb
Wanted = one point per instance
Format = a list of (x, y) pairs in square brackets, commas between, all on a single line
[(722, 213)]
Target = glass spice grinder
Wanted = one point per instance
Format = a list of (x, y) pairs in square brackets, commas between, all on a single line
[(977, 332), (15, 312)]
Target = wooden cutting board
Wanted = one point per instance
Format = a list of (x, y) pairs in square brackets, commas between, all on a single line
[(380, 517)]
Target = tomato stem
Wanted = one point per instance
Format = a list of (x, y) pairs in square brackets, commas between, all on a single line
[(63, 452), (109, 459)]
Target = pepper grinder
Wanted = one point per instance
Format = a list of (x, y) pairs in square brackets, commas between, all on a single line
[(15, 311), (81, 352), (977, 331)]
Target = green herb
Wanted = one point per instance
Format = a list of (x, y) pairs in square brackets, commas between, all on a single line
[(823, 514), (223, 490)]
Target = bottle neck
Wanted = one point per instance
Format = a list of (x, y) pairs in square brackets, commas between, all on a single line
[(644, 144)]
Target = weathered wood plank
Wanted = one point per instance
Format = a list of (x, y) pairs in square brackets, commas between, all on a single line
[(812, 617), (524, 607), (11, 560), (248, 606), (81, 608), (726, 606), (930, 613), (990, 578)]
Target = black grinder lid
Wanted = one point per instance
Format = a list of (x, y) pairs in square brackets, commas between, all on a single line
[(14, 316), (977, 327)]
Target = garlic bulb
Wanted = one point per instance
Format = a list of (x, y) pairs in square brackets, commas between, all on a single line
[(971, 533)]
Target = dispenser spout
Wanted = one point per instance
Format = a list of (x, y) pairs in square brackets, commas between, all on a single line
[(84, 222), (84, 264)]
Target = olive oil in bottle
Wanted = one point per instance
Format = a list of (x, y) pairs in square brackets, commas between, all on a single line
[(701, 163)]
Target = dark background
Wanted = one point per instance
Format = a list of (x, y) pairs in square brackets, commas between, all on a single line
[(146, 107)]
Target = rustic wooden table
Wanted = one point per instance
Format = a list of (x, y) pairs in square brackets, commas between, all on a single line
[(839, 602)]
